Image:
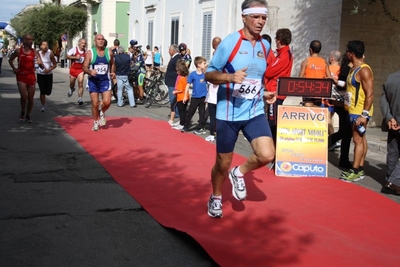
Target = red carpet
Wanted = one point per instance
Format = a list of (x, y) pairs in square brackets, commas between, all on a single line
[(283, 222)]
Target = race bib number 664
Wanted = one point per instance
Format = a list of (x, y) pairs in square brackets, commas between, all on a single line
[(248, 89)]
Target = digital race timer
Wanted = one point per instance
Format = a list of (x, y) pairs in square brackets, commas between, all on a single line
[(306, 87)]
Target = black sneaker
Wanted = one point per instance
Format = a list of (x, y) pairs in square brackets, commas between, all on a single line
[(28, 119)]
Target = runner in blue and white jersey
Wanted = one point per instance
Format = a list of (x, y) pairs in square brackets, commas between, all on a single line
[(238, 66)]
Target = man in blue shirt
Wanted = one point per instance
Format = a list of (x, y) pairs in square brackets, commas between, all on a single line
[(238, 66)]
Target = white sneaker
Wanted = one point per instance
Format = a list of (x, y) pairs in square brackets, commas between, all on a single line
[(43, 109), (210, 138), (214, 207), (102, 120), (238, 186), (171, 123), (178, 127), (176, 124), (95, 126), (71, 91)]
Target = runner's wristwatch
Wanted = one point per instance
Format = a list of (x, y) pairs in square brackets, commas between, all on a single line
[(365, 114)]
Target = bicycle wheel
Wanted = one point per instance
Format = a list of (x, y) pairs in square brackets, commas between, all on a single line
[(148, 101), (162, 94)]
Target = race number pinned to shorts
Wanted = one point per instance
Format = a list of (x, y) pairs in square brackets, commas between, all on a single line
[(248, 89), (101, 69)]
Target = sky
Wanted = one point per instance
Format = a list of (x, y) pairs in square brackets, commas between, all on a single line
[(9, 9)]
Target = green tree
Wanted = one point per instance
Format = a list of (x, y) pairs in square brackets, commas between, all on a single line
[(48, 22)]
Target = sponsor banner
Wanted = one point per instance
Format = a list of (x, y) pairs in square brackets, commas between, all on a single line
[(302, 141)]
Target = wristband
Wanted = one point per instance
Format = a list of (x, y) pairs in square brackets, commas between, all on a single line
[(341, 83)]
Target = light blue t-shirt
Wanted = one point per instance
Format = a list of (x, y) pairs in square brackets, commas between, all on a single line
[(246, 101), (157, 58)]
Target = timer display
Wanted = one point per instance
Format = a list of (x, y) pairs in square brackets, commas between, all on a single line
[(306, 87)]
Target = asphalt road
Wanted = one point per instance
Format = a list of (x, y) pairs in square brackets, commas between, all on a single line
[(59, 207)]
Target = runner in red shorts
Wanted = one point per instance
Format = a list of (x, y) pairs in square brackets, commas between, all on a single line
[(25, 73), (77, 56)]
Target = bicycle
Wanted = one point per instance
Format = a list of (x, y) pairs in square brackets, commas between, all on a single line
[(155, 89)]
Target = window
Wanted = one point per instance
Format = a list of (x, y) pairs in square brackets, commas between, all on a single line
[(174, 30), (150, 33), (206, 46)]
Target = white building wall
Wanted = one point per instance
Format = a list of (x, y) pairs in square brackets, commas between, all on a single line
[(308, 20), (108, 18)]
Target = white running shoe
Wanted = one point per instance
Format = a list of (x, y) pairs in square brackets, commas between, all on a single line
[(214, 207), (171, 123), (178, 127), (95, 126), (176, 124), (238, 186), (71, 91), (43, 109), (210, 138), (200, 131), (102, 120)]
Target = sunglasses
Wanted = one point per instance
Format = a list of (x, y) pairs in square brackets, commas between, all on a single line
[(256, 17)]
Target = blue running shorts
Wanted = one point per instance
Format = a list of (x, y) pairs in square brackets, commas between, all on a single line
[(228, 132)]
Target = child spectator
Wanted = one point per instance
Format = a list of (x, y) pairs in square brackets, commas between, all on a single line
[(180, 92), (199, 93)]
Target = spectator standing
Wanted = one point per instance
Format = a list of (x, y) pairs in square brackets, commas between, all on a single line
[(114, 50), (314, 67), (344, 132), (148, 60), (358, 101), (141, 74), (62, 57), (185, 54), (280, 66), (238, 109), (181, 92), (45, 75), (1, 53), (390, 107), (123, 67), (170, 79), (57, 54), (334, 68), (77, 56), (199, 93), (99, 65), (211, 98), (158, 60), (28, 60)]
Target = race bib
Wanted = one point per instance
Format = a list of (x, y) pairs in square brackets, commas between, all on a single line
[(248, 89), (101, 69), (80, 60), (347, 99)]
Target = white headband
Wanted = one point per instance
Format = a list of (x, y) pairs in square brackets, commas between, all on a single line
[(255, 10)]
